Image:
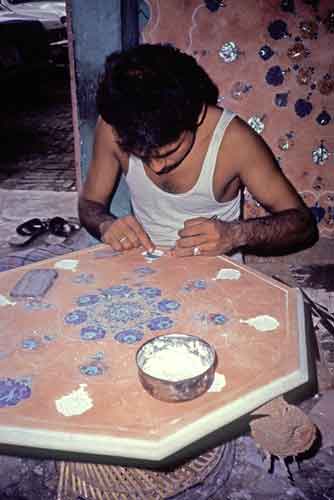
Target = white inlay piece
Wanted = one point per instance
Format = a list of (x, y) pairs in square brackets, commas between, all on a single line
[(5, 302), (68, 264), (264, 323), (219, 382), (74, 403), (228, 274), (154, 255)]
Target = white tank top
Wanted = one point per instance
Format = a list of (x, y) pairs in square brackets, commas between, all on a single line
[(162, 214)]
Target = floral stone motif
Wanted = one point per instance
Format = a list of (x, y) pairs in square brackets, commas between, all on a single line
[(256, 123), (229, 52), (12, 391)]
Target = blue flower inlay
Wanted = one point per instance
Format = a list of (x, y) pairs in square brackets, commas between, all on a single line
[(35, 305), (84, 278), (218, 319), (200, 284), (160, 323), (149, 292), (49, 338), (118, 291), (92, 370), (144, 270), (167, 305), (130, 336), (132, 309), (30, 344), (87, 300), (197, 284), (12, 391), (76, 317), (92, 333), (123, 312)]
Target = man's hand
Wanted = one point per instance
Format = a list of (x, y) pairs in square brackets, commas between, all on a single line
[(124, 234), (202, 236)]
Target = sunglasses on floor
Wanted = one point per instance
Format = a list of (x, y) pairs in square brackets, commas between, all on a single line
[(56, 225)]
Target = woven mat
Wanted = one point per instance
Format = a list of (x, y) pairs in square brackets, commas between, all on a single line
[(197, 479)]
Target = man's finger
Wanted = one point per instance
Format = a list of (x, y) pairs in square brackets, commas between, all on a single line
[(192, 230), (191, 242), (194, 221), (206, 249), (141, 235)]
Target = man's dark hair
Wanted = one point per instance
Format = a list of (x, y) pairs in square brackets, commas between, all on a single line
[(150, 94)]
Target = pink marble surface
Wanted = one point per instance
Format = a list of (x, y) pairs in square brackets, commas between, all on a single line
[(45, 349)]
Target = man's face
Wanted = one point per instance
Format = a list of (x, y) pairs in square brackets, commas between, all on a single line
[(167, 158)]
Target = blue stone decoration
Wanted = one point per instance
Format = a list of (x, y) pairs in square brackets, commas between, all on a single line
[(120, 308), (30, 344), (200, 284), (324, 118), (144, 270), (303, 108), (213, 5), (98, 355), (275, 76), (76, 317), (92, 370), (88, 300), (118, 291), (12, 391), (288, 6), (92, 333), (195, 284), (167, 305), (35, 305), (278, 29), (266, 52), (318, 212), (281, 100), (122, 312), (84, 278), (149, 292), (49, 338), (218, 319), (160, 323), (130, 336)]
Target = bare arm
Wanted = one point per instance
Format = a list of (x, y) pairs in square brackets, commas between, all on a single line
[(290, 225), (104, 171)]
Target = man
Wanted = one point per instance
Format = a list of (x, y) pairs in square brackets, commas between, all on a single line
[(185, 161)]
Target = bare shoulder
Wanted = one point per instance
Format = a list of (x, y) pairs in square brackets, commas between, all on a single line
[(240, 148), (256, 166), (243, 140), (105, 166), (106, 139)]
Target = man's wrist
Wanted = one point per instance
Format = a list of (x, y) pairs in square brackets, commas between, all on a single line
[(239, 235), (103, 225)]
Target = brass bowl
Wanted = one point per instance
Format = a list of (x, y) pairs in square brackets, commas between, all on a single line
[(176, 367)]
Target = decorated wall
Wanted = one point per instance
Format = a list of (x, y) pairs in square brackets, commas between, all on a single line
[(273, 62)]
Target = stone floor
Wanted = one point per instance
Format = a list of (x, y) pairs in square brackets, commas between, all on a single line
[(37, 178), (36, 134)]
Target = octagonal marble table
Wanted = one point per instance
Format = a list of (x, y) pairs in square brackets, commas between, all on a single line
[(68, 378)]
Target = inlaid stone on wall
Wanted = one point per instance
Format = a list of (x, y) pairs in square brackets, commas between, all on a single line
[(272, 63)]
